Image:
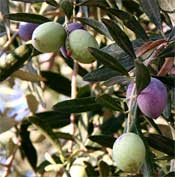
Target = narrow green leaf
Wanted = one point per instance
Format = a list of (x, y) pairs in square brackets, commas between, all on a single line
[(142, 76), (100, 74), (26, 17), (169, 51), (57, 82), (30, 1), (109, 102), (90, 170), (77, 105), (65, 136), (152, 10), (107, 60), (15, 60), (96, 25), (52, 2), (27, 146), (48, 132), (52, 119), (104, 169), (130, 22), (161, 143), (104, 140), (98, 3), (67, 7), (120, 37), (170, 174)]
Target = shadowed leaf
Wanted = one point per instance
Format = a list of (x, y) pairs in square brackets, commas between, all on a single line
[(77, 105), (108, 60), (130, 22), (152, 10), (122, 40), (26, 17), (142, 76), (96, 25), (104, 140)]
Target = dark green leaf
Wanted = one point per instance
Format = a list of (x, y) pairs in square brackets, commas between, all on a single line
[(45, 128), (27, 146), (118, 53), (67, 7), (170, 174), (113, 124), (161, 143), (15, 60), (100, 74), (152, 10), (84, 91), (30, 1), (96, 25), (142, 76), (104, 169), (133, 7), (104, 140), (108, 60), (169, 51), (26, 17), (122, 40), (90, 170), (52, 3), (168, 80), (98, 3), (52, 119), (57, 82), (77, 105), (109, 102), (130, 22), (65, 136)]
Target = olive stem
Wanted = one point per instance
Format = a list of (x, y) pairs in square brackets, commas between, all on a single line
[(131, 100)]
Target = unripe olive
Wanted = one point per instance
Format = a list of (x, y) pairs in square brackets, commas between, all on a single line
[(151, 100), (78, 43), (129, 152), (73, 26), (48, 37), (26, 30)]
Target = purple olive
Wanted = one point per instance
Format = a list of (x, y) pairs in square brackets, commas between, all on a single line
[(73, 26), (152, 100), (65, 52), (26, 30)]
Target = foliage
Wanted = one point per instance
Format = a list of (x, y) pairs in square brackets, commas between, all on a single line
[(60, 117)]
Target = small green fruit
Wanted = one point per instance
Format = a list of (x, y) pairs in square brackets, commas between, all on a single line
[(78, 42), (48, 37), (129, 152)]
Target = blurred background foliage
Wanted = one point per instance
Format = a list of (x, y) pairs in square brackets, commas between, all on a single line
[(45, 130)]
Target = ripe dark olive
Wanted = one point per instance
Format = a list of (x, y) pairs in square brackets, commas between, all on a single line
[(26, 30), (152, 100)]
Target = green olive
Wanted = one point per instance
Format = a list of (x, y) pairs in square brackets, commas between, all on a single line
[(129, 152), (78, 42), (48, 37)]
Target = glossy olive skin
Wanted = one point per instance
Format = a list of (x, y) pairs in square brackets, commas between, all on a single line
[(49, 37), (129, 152), (26, 30), (78, 43), (153, 99)]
